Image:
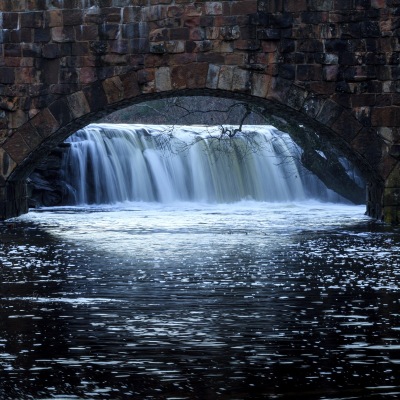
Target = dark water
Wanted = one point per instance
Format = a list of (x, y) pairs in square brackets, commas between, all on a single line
[(250, 301)]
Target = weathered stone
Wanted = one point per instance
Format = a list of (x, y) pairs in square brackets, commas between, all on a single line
[(78, 104), (296, 97), (130, 84), (230, 32), (332, 63), (241, 80), (51, 50), (260, 84), (163, 79), (45, 123), (213, 8), (61, 34), (17, 118), (225, 78), (212, 76), (385, 116)]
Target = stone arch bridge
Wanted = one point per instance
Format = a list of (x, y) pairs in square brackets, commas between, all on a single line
[(333, 65)]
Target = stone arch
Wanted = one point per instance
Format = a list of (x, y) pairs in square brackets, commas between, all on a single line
[(52, 125), (332, 64)]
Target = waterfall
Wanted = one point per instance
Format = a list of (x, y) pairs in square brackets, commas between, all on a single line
[(108, 163)]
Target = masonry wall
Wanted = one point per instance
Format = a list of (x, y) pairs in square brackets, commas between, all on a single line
[(332, 63)]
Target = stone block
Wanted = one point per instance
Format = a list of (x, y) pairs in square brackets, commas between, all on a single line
[(347, 126), (241, 80), (61, 34), (53, 18), (260, 84), (309, 72), (109, 31), (45, 123), (51, 50), (211, 58), (295, 5), (154, 13), (213, 8), (163, 79), (296, 97), (197, 34), (330, 73), (329, 112), (235, 59), (379, 4), (158, 47), (176, 11), (326, 58), (385, 116), (72, 17), (249, 45), (135, 30), (31, 19), (95, 96), (178, 77), (269, 34), (199, 46), (179, 33), (16, 147), (85, 33), (119, 47), (17, 118), (12, 50), (192, 22), (113, 89), (310, 46), (271, 6), (139, 45), (243, 7), (130, 84), (181, 59), (312, 105), (61, 112), (10, 20), (225, 77), (7, 75), (287, 71), (175, 46), (50, 70), (159, 35), (30, 136), (196, 76), (193, 10), (212, 76), (145, 79)]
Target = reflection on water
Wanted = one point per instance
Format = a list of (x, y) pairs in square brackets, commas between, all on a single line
[(199, 302)]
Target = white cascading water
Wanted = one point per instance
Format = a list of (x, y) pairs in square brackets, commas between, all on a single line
[(110, 163)]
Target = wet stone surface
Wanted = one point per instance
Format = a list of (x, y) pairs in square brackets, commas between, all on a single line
[(195, 302)]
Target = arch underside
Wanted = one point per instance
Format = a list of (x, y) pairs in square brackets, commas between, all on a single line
[(282, 116), (332, 67)]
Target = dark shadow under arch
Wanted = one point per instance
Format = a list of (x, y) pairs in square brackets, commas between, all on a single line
[(282, 116)]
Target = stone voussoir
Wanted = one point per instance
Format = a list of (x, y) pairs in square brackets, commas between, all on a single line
[(333, 63)]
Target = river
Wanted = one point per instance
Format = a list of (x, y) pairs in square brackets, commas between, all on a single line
[(248, 300)]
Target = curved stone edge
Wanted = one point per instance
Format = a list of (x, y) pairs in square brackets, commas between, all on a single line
[(67, 114)]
